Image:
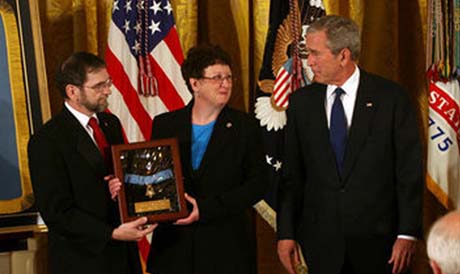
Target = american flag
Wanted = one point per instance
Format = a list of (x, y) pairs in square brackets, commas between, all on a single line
[(283, 85), (143, 58)]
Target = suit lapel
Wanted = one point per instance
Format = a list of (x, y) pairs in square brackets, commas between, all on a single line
[(319, 113), (108, 130), (184, 134), (363, 114), (85, 146), (220, 136)]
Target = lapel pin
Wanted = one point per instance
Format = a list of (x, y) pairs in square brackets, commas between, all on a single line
[(369, 104), (229, 125)]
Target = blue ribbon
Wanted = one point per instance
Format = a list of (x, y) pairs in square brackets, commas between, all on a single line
[(156, 178)]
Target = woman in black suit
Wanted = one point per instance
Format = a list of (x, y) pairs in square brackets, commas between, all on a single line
[(223, 168)]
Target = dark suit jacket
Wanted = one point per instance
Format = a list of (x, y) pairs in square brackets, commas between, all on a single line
[(380, 193), (230, 179), (67, 173)]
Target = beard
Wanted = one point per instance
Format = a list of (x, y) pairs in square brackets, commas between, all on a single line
[(99, 105)]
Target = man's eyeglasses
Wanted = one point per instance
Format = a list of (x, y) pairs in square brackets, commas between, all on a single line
[(219, 79), (99, 87)]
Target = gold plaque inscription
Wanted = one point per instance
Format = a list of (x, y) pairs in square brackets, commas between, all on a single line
[(152, 206)]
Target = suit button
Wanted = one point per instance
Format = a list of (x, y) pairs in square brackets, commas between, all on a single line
[(342, 190)]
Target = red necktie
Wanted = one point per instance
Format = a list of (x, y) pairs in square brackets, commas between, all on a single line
[(100, 139)]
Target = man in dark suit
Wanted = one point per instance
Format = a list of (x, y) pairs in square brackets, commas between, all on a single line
[(69, 158), (352, 195)]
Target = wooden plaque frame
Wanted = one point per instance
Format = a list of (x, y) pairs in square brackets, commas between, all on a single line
[(152, 183)]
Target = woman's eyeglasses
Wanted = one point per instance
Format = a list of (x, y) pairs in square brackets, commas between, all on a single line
[(219, 79)]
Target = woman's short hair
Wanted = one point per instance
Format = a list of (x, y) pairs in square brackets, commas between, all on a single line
[(199, 58)]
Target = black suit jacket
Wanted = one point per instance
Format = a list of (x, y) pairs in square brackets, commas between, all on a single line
[(230, 179), (67, 173), (379, 195)]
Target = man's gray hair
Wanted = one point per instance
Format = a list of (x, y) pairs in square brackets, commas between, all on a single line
[(443, 244), (341, 33)]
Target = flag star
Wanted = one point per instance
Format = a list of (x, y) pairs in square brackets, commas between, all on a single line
[(277, 165), (156, 7), (136, 47), (168, 8), (138, 27), (126, 26), (154, 27), (128, 6), (115, 6), (268, 159)]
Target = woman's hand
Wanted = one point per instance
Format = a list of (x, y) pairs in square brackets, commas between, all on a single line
[(114, 185), (193, 216)]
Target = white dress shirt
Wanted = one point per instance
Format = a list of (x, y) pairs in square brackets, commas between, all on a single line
[(83, 119), (348, 98)]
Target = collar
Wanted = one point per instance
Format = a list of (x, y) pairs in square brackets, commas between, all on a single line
[(81, 117), (350, 86)]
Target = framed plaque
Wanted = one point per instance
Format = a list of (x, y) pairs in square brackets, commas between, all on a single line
[(151, 177)]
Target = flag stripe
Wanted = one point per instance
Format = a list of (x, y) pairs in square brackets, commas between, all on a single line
[(120, 50), (161, 55), (443, 104), (128, 124), (171, 100), (130, 95), (281, 80), (172, 40), (282, 90)]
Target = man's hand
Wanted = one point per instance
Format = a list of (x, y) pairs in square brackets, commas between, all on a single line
[(114, 185), (289, 257), (133, 231), (193, 216), (402, 255)]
